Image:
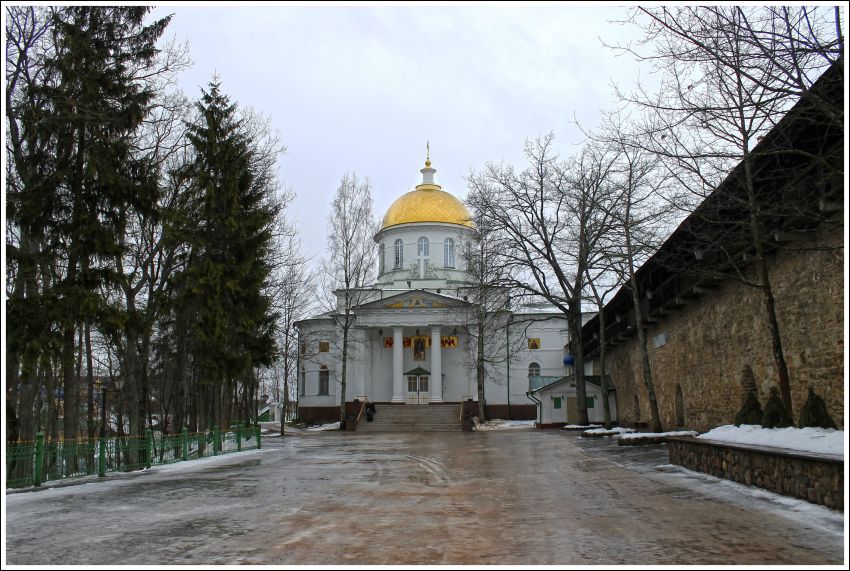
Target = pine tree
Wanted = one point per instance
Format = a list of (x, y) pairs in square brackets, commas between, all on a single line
[(814, 412), (227, 223), (775, 413)]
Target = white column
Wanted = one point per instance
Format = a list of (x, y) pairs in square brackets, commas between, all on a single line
[(436, 366), (398, 381)]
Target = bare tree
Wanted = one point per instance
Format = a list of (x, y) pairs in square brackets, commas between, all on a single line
[(293, 295), (602, 283), (486, 317), (728, 75), (28, 215), (546, 230), (638, 215), (351, 262)]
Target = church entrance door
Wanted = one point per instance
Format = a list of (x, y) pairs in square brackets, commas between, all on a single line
[(418, 391)]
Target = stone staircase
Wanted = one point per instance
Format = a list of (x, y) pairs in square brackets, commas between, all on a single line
[(412, 418)]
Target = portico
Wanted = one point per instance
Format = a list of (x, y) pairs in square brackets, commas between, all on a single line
[(412, 332)]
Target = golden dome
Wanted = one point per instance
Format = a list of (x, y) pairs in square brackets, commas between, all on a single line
[(428, 203)]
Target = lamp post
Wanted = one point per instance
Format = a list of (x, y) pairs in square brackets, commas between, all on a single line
[(118, 383)]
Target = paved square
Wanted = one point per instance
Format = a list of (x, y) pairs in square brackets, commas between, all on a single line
[(520, 497)]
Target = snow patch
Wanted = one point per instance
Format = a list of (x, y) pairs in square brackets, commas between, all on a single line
[(331, 426), (499, 424), (819, 440), (580, 426), (615, 430), (639, 435)]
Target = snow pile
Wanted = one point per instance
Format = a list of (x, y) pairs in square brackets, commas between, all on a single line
[(580, 426), (331, 426), (639, 435), (820, 440), (498, 424), (608, 431)]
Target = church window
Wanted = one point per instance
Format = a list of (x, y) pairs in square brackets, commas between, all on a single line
[(399, 254), (449, 253), (423, 247), (380, 258), (324, 346), (324, 380), (534, 370)]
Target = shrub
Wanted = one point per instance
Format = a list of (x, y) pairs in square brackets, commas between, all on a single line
[(775, 413), (750, 412), (814, 413)]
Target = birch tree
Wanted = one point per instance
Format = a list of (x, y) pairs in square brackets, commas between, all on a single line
[(351, 263)]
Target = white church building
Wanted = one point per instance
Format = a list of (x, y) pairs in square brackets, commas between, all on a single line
[(412, 342)]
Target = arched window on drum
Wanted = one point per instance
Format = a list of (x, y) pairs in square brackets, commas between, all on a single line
[(399, 254), (449, 253)]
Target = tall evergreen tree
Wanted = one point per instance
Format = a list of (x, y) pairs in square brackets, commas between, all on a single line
[(89, 106), (227, 223)]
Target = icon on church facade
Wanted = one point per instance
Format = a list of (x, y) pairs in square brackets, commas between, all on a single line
[(419, 344)]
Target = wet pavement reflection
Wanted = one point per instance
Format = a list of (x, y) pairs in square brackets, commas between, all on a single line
[(514, 497)]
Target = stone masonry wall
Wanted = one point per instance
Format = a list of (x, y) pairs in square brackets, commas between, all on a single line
[(820, 481), (711, 338)]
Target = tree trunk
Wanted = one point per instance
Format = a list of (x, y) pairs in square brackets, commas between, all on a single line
[(644, 357), (574, 308), (606, 406), (285, 383), (90, 382), (766, 288), (479, 370), (342, 383)]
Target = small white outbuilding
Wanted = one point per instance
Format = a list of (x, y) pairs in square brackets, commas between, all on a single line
[(557, 404)]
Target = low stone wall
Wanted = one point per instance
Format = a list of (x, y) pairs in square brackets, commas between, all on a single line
[(319, 413), (517, 411), (812, 477)]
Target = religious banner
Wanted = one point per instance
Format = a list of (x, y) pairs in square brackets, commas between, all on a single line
[(419, 344), (408, 341), (446, 342)]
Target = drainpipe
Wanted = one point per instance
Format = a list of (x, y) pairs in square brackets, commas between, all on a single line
[(539, 406), (298, 380)]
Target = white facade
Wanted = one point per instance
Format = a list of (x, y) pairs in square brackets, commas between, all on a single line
[(413, 339), (558, 403)]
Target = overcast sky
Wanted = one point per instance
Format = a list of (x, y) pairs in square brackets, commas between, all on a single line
[(362, 88)]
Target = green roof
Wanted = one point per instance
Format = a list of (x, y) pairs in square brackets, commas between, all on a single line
[(418, 371)]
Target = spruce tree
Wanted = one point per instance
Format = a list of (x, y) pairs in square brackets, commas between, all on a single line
[(227, 223), (814, 412), (775, 413), (750, 411), (91, 105)]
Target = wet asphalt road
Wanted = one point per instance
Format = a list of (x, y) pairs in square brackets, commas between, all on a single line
[(518, 497)]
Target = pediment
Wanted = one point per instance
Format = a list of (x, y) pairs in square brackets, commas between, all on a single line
[(415, 299)]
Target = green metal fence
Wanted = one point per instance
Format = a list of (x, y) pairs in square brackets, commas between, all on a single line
[(32, 463)]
